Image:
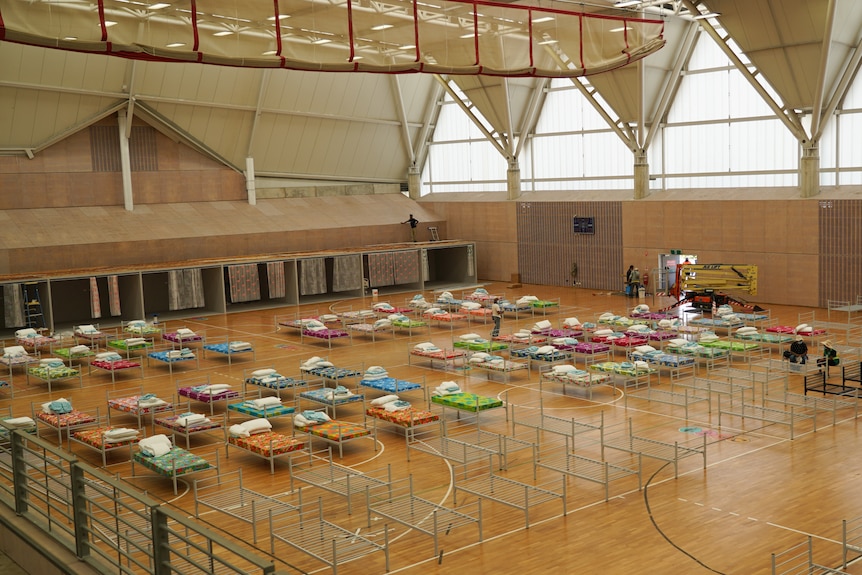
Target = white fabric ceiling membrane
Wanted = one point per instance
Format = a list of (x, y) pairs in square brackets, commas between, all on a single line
[(396, 36)]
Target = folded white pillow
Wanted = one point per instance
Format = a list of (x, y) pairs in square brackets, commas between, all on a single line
[(382, 323), (802, 327), (105, 354), (26, 332), (328, 317), (471, 305), (118, 434), (217, 388), (239, 345), (79, 349), (641, 308), (641, 365), (384, 400), (259, 425), (474, 359), (602, 332), (87, 329), (156, 445), (425, 345), (264, 402), (747, 329), (14, 351), (432, 311), (571, 322), (262, 372), (607, 316), (644, 348), (135, 340), (238, 430), (470, 336), (185, 331), (639, 328), (20, 421), (564, 368), (191, 419), (678, 341), (708, 337), (546, 349), (544, 324)]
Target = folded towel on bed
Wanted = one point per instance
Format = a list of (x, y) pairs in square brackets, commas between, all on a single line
[(155, 445), (150, 400), (59, 406), (79, 349), (184, 331), (20, 422), (135, 341), (266, 402), (397, 405), (118, 434), (191, 419), (239, 346)]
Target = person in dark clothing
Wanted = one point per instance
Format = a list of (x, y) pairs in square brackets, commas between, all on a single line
[(629, 280), (413, 223), (798, 352)]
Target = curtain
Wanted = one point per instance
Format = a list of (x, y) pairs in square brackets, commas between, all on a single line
[(347, 273), (275, 280), (13, 305), (381, 269), (114, 295), (426, 268), (95, 300), (185, 289), (406, 267), (244, 283), (471, 262), (312, 276)]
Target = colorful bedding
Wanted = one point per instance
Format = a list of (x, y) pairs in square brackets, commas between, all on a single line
[(142, 330), (446, 317), (590, 347), (36, 341), (390, 384), (116, 365), (325, 333), (268, 412), (533, 353), (71, 419), (659, 357), (172, 422), (331, 372), (661, 335), (515, 307), (504, 366), (778, 337), (180, 338), (789, 329), (18, 360), (95, 438), (167, 357), (541, 303), (467, 401), (443, 354), (335, 430), (624, 368), (137, 405), (275, 381), (53, 372), (409, 417), (324, 396), (630, 340), (268, 443), (554, 332), (715, 322), (126, 346), (229, 348), (519, 338), (408, 323), (197, 395), (577, 377), (67, 353), (697, 350), (481, 345), (176, 462), (730, 345)]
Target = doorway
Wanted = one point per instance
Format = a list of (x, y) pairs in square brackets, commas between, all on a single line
[(668, 265)]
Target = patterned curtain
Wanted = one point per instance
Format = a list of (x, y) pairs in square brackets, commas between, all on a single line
[(312, 276), (244, 283), (95, 300), (275, 279), (185, 289), (381, 269), (406, 267), (13, 305), (114, 295), (347, 273)]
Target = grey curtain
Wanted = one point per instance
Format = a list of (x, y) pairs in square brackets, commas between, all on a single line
[(347, 273), (185, 289), (312, 276), (13, 305)]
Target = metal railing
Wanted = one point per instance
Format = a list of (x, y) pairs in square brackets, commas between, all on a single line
[(107, 523)]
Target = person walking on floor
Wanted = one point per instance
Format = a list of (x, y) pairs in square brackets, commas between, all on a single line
[(413, 223), (497, 316), (634, 282)]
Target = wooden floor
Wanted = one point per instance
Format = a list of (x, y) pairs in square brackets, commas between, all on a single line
[(759, 493)]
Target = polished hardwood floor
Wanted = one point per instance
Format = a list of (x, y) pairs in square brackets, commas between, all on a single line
[(760, 491)]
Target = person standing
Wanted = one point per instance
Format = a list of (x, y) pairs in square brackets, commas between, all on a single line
[(413, 223), (635, 282), (629, 280), (497, 316)]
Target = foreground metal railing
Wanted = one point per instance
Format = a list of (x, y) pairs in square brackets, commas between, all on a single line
[(107, 523)]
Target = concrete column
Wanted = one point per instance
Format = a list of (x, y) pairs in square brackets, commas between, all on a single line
[(641, 170), (513, 180), (125, 163), (414, 183), (809, 170), (249, 181)]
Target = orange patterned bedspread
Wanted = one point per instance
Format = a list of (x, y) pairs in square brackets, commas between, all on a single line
[(268, 443), (405, 417)]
